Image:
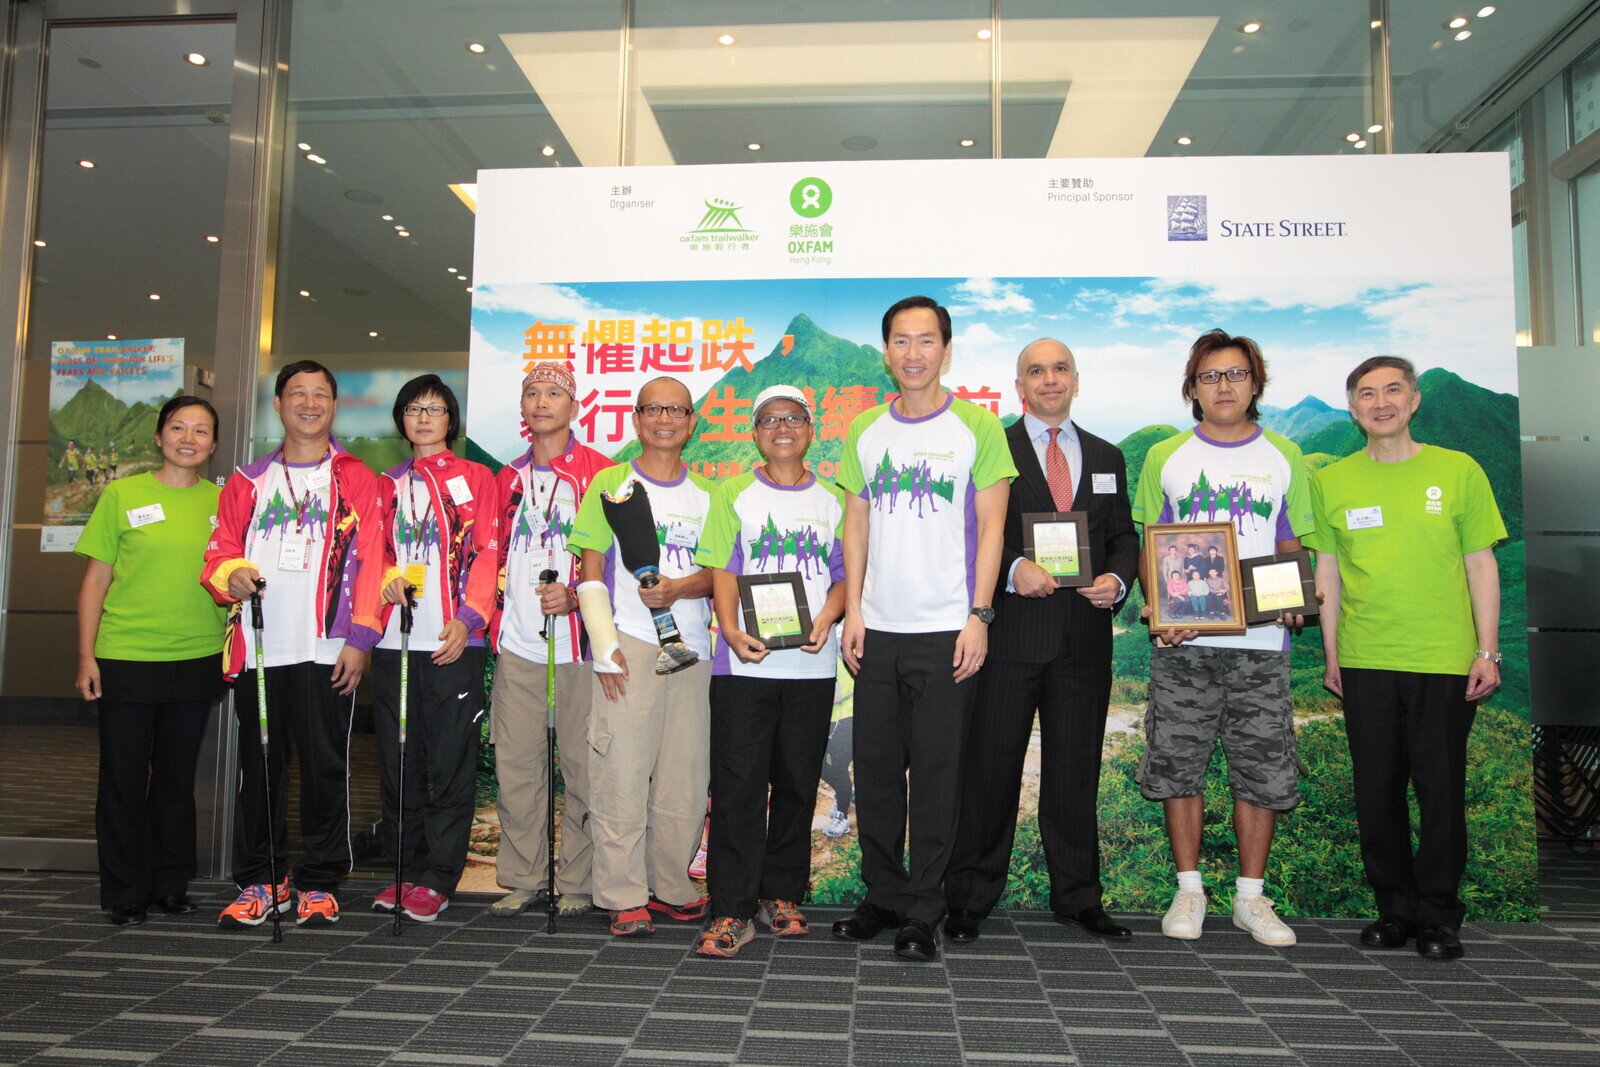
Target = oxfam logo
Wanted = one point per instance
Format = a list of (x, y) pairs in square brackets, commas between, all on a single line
[(1434, 492), (810, 198)]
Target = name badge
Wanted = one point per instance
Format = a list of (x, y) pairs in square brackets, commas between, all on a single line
[(416, 574), (1363, 518), (144, 516), (460, 492), (294, 552), (683, 536), (317, 480), (1105, 483)]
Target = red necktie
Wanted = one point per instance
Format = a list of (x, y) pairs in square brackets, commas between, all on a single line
[(1057, 472)]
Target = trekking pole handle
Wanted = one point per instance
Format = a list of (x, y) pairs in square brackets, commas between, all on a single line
[(407, 608), (255, 605)]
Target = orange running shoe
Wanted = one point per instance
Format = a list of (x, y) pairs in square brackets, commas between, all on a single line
[(632, 922), (254, 905), (724, 938), (783, 918), (317, 908)]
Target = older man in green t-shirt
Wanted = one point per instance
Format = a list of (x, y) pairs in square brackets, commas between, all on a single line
[(1410, 626)]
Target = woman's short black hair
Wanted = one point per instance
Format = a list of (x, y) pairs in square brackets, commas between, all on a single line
[(177, 404), (427, 385)]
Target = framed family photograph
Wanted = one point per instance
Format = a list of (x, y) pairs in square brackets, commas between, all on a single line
[(1058, 541), (1276, 584), (774, 608), (1191, 578)]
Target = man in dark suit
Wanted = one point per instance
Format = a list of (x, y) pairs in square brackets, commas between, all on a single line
[(1049, 649)]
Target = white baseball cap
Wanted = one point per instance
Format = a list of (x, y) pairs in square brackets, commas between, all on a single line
[(779, 392)]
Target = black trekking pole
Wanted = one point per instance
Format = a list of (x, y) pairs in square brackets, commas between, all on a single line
[(549, 635), (400, 808), (266, 764)]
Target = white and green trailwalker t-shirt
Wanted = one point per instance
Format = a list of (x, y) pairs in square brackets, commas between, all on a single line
[(920, 476), (759, 527), (1260, 485), (679, 509)]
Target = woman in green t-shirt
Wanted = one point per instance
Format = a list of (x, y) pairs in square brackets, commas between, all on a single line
[(149, 647)]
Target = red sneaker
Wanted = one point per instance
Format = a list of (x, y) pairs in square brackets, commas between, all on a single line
[(254, 905), (691, 912), (632, 922), (422, 904), (389, 899)]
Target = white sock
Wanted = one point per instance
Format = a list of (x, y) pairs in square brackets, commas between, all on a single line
[(1248, 887), (1190, 880)]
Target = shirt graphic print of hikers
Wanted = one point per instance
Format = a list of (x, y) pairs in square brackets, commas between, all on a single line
[(1236, 500), (809, 553), (916, 481)]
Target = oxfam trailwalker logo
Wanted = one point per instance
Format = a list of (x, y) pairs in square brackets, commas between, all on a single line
[(720, 229)]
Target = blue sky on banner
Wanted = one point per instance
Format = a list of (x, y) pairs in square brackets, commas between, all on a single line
[(1130, 334)]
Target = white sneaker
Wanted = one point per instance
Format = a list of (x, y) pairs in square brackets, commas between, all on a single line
[(1255, 916), (1186, 916), (838, 824)]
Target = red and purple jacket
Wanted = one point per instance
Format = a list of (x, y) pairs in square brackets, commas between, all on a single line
[(577, 467), (354, 541), (469, 539)]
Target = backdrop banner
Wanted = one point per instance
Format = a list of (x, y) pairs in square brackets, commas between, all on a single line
[(733, 278)]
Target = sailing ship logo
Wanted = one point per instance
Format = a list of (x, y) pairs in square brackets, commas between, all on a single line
[(1186, 218)]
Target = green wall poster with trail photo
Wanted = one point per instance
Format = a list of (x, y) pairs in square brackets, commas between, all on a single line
[(737, 317)]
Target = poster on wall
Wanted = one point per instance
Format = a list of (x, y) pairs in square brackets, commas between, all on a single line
[(734, 278), (104, 398)]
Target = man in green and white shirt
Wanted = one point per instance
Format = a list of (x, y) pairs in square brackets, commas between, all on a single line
[(1226, 469), (928, 477), (1410, 631)]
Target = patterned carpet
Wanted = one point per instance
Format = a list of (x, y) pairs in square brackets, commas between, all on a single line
[(474, 989)]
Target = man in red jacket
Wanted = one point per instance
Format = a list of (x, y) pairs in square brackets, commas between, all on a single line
[(304, 519), (539, 492)]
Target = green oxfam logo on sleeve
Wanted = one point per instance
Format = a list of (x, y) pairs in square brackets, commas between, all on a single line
[(810, 197)]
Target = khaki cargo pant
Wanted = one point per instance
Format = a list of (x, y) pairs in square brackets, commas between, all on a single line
[(649, 767)]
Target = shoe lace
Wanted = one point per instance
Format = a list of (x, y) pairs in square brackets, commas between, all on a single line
[(782, 909), (1261, 907)]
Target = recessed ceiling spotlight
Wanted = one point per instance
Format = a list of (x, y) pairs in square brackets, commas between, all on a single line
[(725, 39), (38, 243), (548, 150), (402, 233), (984, 35), (1377, 24), (1253, 26), (967, 142), (1352, 137), (195, 59), (477, 48), (469, 288), (111, 337), (1463, 35), (312, 157), (1485, 11), (303, 147), (398, 226), (388, 218), (452, 270), (86, 164), (754, 146), (1361, 144), (212, 238), (372, 333), (1186, 140), (155, 296), (1457, 22), (305, 292)]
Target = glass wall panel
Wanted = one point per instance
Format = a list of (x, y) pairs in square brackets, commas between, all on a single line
[(1586, 216), (1199, 77), (1583, 80)]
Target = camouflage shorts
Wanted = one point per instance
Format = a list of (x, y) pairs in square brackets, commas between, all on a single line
[(1199, 693)]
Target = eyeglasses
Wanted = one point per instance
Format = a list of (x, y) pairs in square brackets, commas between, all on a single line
[(772, 422), (433, 411), (676, 412), (1212, 377)]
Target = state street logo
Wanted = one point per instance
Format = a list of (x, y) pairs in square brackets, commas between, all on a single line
[(720, 229), (1186, 218)]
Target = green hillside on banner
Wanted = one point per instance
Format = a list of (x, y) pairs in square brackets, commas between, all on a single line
[(95, 419)]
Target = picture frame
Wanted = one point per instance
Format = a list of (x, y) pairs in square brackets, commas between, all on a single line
[(1205, 557), (1272, 585), (1058, 541), (774, 609)]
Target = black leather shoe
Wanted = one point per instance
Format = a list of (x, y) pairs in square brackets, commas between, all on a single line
[(915, 941), (865, 923), (175, 904), (1435, 942), (1095, 921), (126, 914), (961, 925), (1388, 932)]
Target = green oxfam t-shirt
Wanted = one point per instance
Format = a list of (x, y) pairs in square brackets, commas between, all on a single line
[(1400, 531), (154, 537)]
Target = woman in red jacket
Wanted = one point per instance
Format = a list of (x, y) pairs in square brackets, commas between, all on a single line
[(441, 523)]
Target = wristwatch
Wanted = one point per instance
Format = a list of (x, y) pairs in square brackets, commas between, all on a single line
[(1492, 657), (985, 615)]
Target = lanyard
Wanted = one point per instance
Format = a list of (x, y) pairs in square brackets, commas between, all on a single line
[(311, 495), (416, 523)]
